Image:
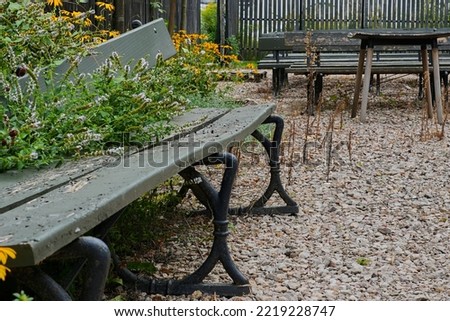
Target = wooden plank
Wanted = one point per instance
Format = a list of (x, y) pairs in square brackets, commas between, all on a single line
[(40, 227), (437, 84), (331, 40), (366, 84), (272, 41), (244, 27), (408, 34), (262, 15), (351, 69), (301, 9)]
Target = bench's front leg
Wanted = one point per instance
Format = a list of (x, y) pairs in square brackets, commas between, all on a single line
[(95, 260), (218, 203)]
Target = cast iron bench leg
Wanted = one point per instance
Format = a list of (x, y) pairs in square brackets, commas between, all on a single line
[(41, 283), (272, 148), (96, 259), (217, 202)]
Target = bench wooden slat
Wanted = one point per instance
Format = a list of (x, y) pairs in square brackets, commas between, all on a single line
[(42, 226), (330, 40), (273, 41)]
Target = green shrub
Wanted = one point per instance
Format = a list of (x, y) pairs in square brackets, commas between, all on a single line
[(29, 35), (86, 114), (209, 21)]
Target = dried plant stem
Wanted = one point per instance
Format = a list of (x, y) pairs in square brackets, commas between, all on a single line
[(349, 145), (291, 148)]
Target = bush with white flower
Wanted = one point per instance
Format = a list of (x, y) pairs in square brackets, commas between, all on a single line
[(119, 105)]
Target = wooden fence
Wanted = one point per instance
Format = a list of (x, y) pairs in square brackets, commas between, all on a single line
[(262, 16), (247, 19)]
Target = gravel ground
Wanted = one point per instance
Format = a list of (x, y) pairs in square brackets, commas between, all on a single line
[(374, 203)]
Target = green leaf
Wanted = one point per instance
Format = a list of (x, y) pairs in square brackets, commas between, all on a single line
[(13, 6), (142, 267)]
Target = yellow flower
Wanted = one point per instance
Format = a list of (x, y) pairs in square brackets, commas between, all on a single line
[(99, 18), (113, 33), (55, 3), (77, 14), (87, 22), (107, 6), (84, 38), (6, 252), (65, 13), (3, 270)]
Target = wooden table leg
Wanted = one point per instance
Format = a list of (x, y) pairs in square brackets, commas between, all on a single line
[(426, 80), (366, 84), (437, 81), (362, 55)]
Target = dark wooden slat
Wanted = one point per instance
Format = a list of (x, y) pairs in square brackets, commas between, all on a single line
[(332, 40)]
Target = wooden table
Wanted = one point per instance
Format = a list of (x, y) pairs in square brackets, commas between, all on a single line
[(399, 37)]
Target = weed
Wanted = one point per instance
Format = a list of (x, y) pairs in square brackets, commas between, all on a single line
[(22, 296), (363, 261)]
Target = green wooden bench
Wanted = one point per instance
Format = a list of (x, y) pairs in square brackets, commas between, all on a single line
[(58, 214)]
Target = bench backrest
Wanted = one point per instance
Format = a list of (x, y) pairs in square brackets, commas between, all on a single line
[(329, 40), (146, 41), (273, 41)]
